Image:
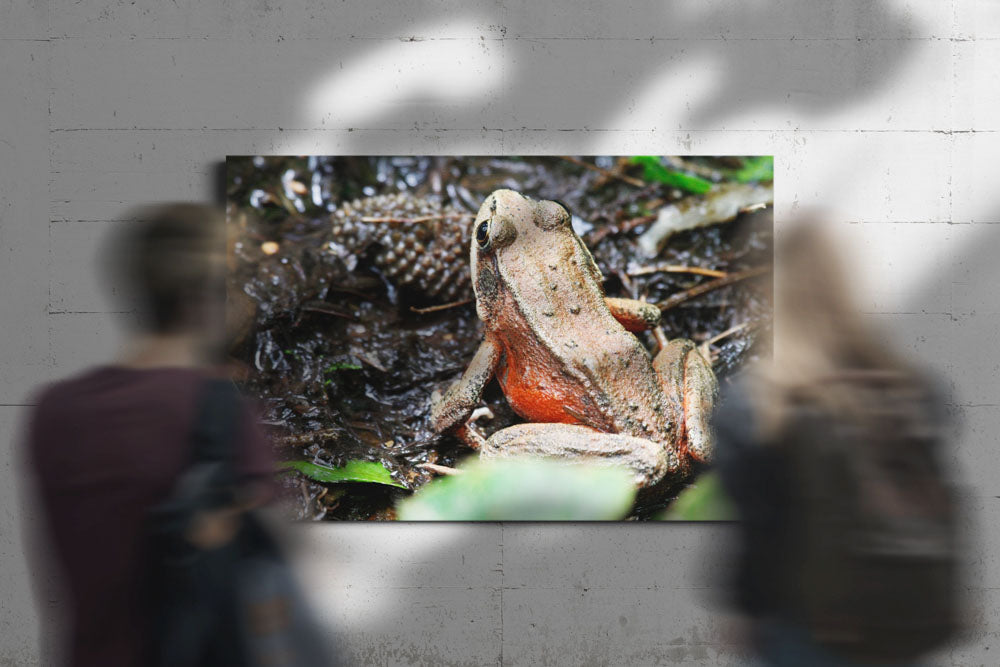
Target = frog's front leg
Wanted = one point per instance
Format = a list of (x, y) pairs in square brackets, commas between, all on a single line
[(634, 315), (649, 461), (690, 388), (455, 411)]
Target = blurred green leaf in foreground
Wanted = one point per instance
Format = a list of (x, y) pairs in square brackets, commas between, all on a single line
[(523, 490), (702, 501)]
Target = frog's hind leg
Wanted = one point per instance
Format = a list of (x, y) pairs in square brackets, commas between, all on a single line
[(690, 388), (648, 460)]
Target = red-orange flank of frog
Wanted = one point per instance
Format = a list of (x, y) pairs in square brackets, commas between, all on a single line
[(565, 358)]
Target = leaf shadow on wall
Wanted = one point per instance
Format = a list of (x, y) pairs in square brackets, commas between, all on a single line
[(625, 592), (526, 68)]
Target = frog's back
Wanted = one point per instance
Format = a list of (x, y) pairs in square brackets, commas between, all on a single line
[(567, 359)]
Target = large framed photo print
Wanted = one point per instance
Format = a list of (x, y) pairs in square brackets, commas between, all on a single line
[(497, 337)]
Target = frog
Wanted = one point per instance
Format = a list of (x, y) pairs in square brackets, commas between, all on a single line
[(567, 357)]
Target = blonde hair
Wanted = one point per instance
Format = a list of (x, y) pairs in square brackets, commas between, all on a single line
[(821, 335)]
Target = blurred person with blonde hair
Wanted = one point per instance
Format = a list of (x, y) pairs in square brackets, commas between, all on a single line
[(830, 452)]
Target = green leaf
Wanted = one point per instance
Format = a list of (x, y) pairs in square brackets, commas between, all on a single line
[(523, 490), (755, 168), (653, 170), (702, 501), (352, 471)]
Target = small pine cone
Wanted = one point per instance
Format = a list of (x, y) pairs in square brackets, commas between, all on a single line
[(420, 241)]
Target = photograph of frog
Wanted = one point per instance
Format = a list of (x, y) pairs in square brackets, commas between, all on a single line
[(497, 338)]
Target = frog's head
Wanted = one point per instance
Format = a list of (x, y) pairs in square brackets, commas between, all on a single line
[(513, 238)]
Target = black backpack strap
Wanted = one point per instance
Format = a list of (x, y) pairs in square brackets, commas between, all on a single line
[(182, 598), (214, 435)]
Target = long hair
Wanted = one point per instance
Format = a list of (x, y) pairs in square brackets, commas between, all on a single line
[(821, 335)]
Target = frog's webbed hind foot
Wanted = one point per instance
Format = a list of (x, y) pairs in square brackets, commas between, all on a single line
[(690, 388), (649, 461)]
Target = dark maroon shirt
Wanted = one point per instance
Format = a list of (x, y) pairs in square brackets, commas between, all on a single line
[(104, 448)]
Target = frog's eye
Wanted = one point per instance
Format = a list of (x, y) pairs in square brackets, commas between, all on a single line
[(483, 234)]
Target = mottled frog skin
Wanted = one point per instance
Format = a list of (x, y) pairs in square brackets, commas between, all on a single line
[(565, 358)]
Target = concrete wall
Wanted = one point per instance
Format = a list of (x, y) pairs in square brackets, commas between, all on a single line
[(884, 111)]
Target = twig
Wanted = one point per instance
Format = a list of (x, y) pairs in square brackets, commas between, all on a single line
[(626, 283), (705, 348), (729, 332), (674, 268), (423, 218), (625, 226), (441, 470), (371, 361), (287, 204), (325, 310), (348, 290), (306, 438), (363, 426), (443, 306), (699, 290), (607, 172)]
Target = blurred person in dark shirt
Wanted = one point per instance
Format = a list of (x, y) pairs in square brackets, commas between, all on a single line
[(107, 445), (835, 406)]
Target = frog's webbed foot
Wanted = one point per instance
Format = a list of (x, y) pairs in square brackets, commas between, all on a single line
[(469, 432), (648, 460), (632, 314), (690, 388)]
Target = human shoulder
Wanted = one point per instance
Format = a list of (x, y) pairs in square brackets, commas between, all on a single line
[(110, 388), (61, 394)]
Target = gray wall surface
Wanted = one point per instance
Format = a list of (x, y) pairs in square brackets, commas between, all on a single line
[(883, 112)]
